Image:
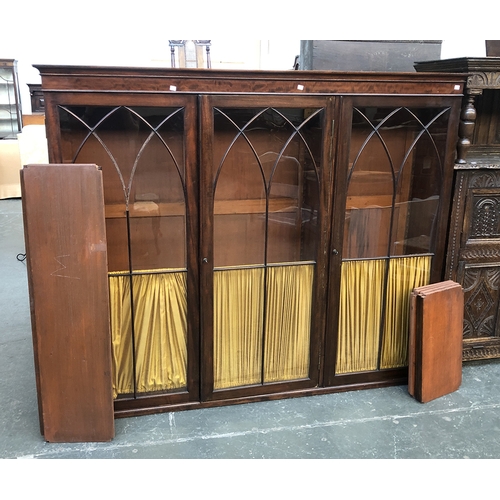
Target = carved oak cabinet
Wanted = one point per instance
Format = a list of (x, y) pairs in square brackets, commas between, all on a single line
[(264, 229), (473, 256)]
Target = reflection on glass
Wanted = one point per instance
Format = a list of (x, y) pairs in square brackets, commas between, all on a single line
[(394, 184), (10, 120), (486, 129), (266, 201), (395, 174), (141, 153)]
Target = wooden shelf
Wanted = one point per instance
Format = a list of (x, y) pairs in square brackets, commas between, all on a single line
[(240, 207), (222, 207), (376, 201)]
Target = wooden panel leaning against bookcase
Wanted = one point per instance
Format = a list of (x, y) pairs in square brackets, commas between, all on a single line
[(241, 210), (66, 264)]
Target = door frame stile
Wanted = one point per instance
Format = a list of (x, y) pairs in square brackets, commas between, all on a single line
[(192, 247), (206, 202), (321, 283), (339, 195)]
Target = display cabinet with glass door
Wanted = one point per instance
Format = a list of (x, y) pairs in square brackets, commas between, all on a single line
[(265, 197), (10, 100), (394, 192), (150, 214), (263, 236)]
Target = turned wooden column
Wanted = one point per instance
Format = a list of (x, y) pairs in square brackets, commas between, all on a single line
[(466, 128), (483, 76)]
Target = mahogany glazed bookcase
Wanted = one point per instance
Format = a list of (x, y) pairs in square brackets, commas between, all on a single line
[(263, 230)]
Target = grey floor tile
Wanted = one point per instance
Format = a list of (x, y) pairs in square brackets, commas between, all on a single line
[(372, 424)]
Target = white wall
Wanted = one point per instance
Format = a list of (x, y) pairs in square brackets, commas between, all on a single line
[(262, 34), (225, 53), (463, 47)]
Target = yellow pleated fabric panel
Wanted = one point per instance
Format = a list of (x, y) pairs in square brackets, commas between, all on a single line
[(288, 322), (160, 309), (121, 334), (238, 315), (160, 331), (360, 315), (405, 274)]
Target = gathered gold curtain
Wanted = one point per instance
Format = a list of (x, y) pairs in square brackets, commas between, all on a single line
[(121, 334), (360, 315), (405, 274), (239, 343), (160, 309), (239, 297), (361, 303), (238, 327)]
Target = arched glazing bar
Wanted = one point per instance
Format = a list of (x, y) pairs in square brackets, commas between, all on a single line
[(385, 226), (271, 275), (127, 287), (296, 131), (92, 132)]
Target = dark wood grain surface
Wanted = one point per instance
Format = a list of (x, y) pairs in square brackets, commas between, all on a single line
[(67, 268)]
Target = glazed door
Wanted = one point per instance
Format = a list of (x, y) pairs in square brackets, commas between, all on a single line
[(392, 203), (266, 175), (147, 152)]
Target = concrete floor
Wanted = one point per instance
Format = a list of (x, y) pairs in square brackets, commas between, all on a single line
[(380, 423)]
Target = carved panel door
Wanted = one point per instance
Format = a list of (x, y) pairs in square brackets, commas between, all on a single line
[(473, 258)]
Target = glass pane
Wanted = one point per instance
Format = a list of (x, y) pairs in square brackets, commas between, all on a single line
[(240, 191), (395, 174), (374, 311), (486, 130), (266, 184), (404, 274), (157, 243), (266, 179), (425, 187), (238, 325), (141, 153), (393, 192), (121, 334), (156, 199), (117, 243), (9, 119), (288, 322), (369, 197), (294, 190)]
